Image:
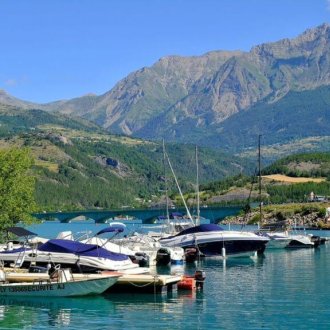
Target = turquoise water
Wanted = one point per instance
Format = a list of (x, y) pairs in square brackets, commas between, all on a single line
[(282, 290)]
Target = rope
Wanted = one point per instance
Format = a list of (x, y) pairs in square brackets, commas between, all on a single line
[(144, 285)]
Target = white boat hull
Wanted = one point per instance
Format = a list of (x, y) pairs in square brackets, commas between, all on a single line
[(67, 259), (219, 243), (57, 289)]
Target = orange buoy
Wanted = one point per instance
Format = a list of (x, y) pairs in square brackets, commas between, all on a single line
[(187, 283)]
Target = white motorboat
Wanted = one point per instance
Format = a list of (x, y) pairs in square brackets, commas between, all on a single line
[(67, 252), (211, 240), (114, 245), (76, 255), (276, 240), (301, 241), (285, 239), (158, 255), (62, 285)]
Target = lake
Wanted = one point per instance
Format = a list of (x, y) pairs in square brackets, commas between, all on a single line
[(284, 289)]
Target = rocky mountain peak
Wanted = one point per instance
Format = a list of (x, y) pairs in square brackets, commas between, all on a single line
[(187, 94)]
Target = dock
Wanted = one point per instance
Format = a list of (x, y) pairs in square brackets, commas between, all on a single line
[(146, 283)]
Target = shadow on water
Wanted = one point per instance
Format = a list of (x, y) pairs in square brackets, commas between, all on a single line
[(216, 263)]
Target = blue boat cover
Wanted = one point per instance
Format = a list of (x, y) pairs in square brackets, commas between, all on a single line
[(80, 249), (176, 214), (18, 250), (200, 228), (114, 228), (19, 231)]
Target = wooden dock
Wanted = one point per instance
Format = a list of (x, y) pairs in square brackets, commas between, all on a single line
[(146, 283)]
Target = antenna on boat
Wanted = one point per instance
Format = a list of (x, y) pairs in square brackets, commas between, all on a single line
[(197, 189)]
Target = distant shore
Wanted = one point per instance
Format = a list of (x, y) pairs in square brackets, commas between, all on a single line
[(304, 215)]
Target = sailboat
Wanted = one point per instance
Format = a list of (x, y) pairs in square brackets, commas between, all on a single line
[(211, 240), (149, 245)]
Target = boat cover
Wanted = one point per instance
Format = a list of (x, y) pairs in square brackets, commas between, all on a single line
[(200, 228), (19, 231), (118, 228), (176, 214), (80, 249), (18, 250)]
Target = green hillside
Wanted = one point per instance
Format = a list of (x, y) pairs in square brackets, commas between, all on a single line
[(314, 165), (245, 188), (80, 166), (14, 120)]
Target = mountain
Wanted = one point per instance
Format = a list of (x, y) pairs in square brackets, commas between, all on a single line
[(297, 116), (209, 99), (7, 99)]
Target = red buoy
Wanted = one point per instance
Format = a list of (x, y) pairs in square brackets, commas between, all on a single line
[(187, 283)]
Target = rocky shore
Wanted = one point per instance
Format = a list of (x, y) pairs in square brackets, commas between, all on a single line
[(294, 215)]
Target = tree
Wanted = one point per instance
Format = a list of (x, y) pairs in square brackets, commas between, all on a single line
[(16, 188)]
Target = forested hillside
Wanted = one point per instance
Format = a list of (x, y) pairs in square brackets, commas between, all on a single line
[(302, 165), (78, 165), (242, 188)]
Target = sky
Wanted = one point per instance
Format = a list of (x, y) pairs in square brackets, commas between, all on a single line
[(61, 49)]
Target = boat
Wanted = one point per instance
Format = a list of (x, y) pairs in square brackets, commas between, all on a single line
[(60, 284), (148, 245), (277, 240), (81, 257), (283, 239), (301, 241), (125, 282), (211, 240), (111, 244)]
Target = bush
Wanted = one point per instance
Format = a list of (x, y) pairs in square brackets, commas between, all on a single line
[(322, 212), (255, 219)]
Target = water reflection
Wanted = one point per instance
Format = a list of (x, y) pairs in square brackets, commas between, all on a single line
[(120, 310), (238, 293), (55, 311)]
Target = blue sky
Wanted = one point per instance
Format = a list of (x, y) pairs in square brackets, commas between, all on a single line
[(60, 49)]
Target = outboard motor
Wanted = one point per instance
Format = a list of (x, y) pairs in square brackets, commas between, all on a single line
[(142, 259), (200, 278)]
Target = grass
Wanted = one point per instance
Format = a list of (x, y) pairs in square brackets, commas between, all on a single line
[(287, 179), (53, 167)]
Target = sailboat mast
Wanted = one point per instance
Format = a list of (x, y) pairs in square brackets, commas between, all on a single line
[(259, 163), (197, 189), (180, 192), (165, 180)]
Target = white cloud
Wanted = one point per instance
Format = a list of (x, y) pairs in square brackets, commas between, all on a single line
[(11, 82)]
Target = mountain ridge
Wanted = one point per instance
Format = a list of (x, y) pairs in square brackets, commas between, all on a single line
[(198, 93)]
